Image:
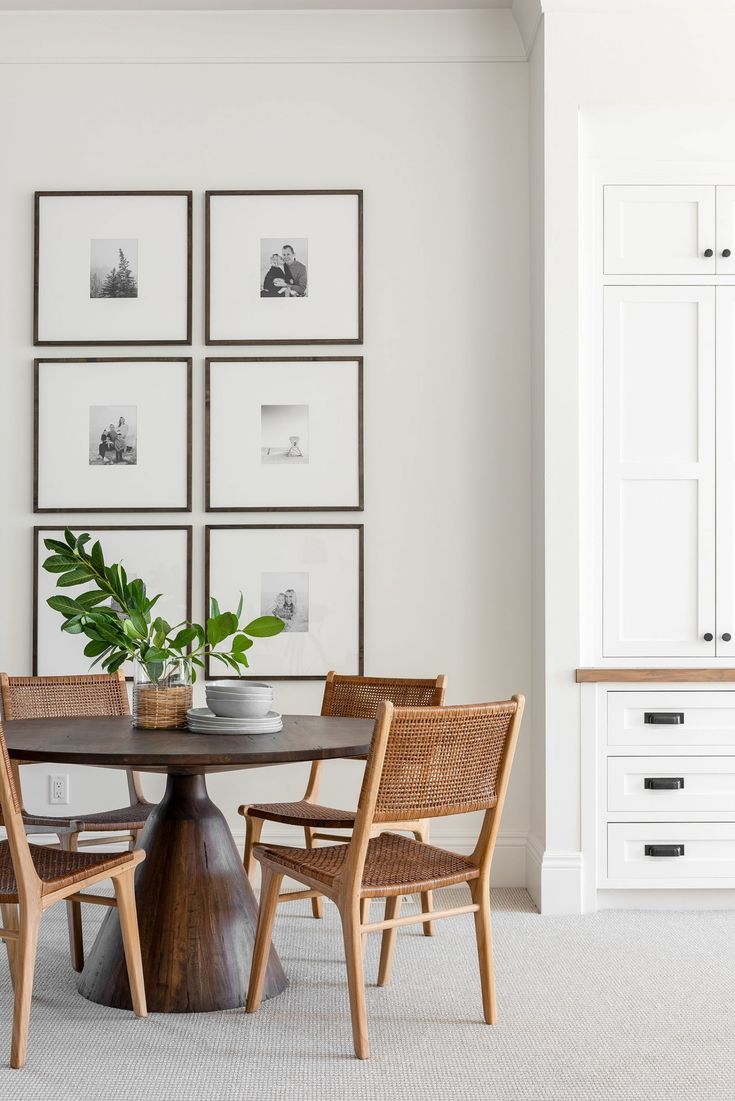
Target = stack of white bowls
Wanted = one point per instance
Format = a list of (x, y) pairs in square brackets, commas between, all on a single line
[(234, 707)]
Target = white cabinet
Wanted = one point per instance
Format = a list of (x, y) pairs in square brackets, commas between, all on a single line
[(660, 230), (659, 472), (725, 236), (725, 434)]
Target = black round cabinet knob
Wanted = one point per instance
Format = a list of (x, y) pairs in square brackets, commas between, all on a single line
[(708, 637), (726, 637), (708, 252), (726, 252)]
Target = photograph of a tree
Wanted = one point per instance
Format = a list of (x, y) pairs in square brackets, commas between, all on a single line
[(113, 270)]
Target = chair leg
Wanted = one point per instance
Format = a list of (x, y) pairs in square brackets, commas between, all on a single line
[(124, 885), (317, 904), (253, 830), (427, 903), (365, 910), (30, 920), (134, 840), (388, 940), (355, 977), (9, 912), (483, 932), (270, 887), (69, 841)]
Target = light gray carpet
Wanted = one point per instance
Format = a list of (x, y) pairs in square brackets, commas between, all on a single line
[(631, 1006)]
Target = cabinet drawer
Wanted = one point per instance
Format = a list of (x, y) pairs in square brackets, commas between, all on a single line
[(671, 784), (707, 851), (671, 719)]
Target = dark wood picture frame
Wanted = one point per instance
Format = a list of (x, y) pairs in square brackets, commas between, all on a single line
[(360, 278), (112, 359), (38, 528), (359, 528), (189, 195), (283, 508)]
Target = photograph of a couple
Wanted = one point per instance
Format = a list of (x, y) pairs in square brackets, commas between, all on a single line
[(283, 267), (113, 435), (286, 595)]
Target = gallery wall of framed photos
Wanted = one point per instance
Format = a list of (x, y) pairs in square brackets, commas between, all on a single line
[(114, 434)]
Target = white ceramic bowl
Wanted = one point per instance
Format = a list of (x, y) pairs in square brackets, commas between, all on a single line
[(239, 709), (239, 692), (246, 686)]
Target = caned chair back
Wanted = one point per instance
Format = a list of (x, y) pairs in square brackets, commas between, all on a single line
[(85, 696), (12, 819), (360, 697), (430, 762)]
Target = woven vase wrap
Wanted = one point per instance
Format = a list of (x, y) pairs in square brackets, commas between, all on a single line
[(161, 708)]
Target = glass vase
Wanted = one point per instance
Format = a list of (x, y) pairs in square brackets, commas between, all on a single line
[(162, 694)]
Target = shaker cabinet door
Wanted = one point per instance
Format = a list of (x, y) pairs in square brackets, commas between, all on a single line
[(725, 231), (725, 472), (659, 472), (660, 230)]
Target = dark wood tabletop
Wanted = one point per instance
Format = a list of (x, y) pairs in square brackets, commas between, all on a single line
[(115, 742)]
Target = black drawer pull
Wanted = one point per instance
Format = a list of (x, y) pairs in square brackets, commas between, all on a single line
[(664, 783), (663, 718), (663, 850)]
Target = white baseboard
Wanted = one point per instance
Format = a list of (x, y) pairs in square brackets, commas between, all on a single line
[(561, 883), (534, 864)]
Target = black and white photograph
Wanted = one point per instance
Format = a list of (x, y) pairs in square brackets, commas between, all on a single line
[(135, 419), (113, 268), (310, 576), (286, 595), (284, 268), (284, 435), (298, 247), (113, 435)]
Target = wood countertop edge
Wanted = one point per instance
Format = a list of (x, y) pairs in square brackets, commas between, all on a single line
[(655, 676)]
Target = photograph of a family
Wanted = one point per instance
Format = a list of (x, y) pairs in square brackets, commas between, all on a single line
[(283, 267), (113, 435), (286, 595), (113, 268), (284, 435)]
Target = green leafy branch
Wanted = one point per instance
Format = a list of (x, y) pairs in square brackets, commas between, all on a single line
[(116, 616)]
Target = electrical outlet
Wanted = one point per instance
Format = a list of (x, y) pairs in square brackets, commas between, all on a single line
[(58, 787)]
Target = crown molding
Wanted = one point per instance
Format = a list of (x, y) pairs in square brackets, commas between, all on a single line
[(528, 15), (637, 7)]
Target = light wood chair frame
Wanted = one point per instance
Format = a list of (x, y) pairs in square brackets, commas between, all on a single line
[(21, 920), (346, 892), (70, 837), (419, 827)]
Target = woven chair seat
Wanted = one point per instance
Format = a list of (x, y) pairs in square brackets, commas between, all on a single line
[(124, 818), (394, 865), (302, 813), (56, 868)]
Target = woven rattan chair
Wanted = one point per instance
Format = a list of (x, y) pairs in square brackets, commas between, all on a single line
[(423, 761), (33, 878), (354, 698), (63, 697)]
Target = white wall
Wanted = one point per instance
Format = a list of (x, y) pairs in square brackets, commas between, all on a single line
[(427, 112), (643, 58)]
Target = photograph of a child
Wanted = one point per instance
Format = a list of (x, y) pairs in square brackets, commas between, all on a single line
[(286, 595), (113, 435), (283, 267)]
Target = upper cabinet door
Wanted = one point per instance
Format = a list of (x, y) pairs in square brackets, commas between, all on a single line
[(725, 471), (726, 230), (659, 475), (660, 230)]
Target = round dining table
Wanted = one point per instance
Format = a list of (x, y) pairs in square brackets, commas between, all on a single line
[(196, 908)]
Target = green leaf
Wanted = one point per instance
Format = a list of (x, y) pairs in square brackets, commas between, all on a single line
[(140, 624), (238, 613), (221, 627), (98, 560), (65, 605), (240, 658), (94, 648), (113, 665), (131, 629), (79, 576), (92, 598), (264, 626), (72, 627), (183, 638), (59, 563), (240, 643), (69, 536), (214, 607), (55, 545), (82, 539), (161, 627)]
